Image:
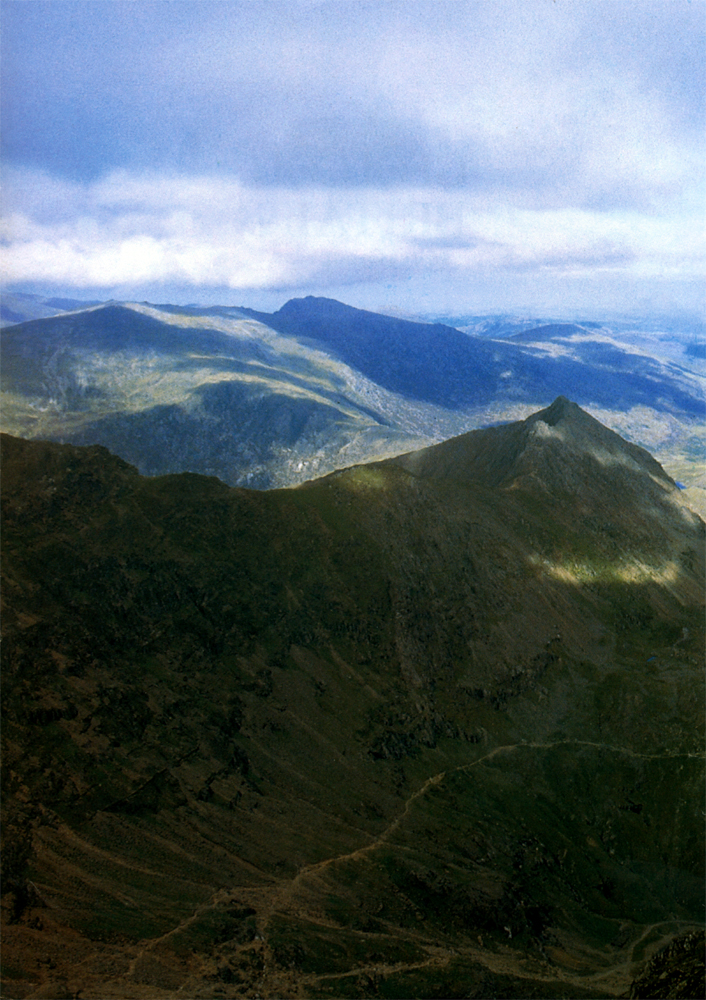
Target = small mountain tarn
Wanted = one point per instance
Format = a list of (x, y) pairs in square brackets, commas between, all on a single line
[(426, 727)]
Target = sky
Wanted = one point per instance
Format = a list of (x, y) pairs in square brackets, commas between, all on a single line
[(416, 157)]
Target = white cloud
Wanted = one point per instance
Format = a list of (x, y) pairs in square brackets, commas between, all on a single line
[(131, 229), (317, 145)]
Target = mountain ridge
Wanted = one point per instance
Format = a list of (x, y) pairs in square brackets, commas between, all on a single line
[(498, 456), (217, 391), (434, 362), (379, 734)]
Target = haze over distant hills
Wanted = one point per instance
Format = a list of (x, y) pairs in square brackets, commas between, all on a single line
[(18, 307), (427, 727), (274, 399)]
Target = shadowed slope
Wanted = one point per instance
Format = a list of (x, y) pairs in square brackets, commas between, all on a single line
[(387, 734), (434, 363)]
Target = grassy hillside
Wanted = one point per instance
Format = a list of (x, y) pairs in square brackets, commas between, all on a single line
[(388, 734), (220, 395), (274, 400)]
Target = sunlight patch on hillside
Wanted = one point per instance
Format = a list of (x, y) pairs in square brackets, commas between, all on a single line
[(134, 385), (366, 477), (580, 571), (658, 431), (254, 331)]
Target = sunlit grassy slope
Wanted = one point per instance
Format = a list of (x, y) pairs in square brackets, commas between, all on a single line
[(215, 395), (431, 727), (265, 401)]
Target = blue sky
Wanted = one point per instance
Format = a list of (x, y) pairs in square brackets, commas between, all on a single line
[(546, 155)]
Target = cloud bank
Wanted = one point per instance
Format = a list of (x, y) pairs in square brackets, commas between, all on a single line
[(130, 228), (298, 146)]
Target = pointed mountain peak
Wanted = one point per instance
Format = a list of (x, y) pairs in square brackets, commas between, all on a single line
[(567, 420), (561, 409), (560, 447)]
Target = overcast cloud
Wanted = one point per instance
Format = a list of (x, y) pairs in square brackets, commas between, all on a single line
[(424, 155)]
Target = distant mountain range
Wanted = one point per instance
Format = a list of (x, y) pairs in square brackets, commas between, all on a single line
[(18, 307), (269, 400), (426, 727)]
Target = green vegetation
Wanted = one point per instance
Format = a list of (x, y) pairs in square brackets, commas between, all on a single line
[(354, 739)]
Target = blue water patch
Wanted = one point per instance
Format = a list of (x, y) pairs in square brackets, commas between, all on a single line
[(680, 485)]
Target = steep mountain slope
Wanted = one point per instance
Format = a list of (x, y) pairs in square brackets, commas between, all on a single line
[(175, 390), (440, 365), (436, 364), (415, 729), (273, 400), (561, 448)]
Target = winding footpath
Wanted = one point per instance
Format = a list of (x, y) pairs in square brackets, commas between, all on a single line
[(436, 779), (279, 896)]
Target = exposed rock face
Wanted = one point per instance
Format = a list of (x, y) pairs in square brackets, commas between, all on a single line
[(424, 727), (676, 971)]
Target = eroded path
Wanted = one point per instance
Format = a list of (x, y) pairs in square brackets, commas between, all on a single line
[(436, 779), (291, 896)]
